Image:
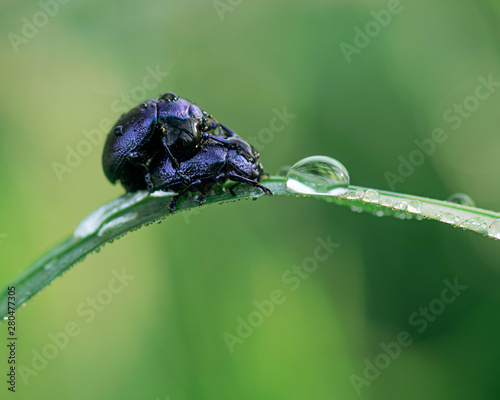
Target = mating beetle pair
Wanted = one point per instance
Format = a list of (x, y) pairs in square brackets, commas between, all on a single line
[(170, 143)]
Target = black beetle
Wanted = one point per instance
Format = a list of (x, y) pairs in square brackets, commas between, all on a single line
[(215, 164), (168, 124)]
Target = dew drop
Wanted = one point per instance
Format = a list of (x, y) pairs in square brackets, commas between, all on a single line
[(351, 195), (144, 105), (48, 266), (359, 193), (478, 224), (371, 196), (494, 230), (318, 175), (447, 218), (402, 205), (170, 97), (414, 207), (118, 130), (462, 198), (464, 223), (387, 203)]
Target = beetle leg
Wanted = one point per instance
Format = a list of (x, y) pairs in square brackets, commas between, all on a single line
[(169, 154), (231, 188), (242, 179), (218, 139), (149, 183), (173, 203), (229, 132), (221, 178), (202, 198), (133, 158), (174, 161)]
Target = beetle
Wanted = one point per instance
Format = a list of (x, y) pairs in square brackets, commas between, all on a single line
[(215, 164), (169, 124)]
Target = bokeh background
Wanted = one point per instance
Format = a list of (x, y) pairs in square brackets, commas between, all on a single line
[(161, 337)]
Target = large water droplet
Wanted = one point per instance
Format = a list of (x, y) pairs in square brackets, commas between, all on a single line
[(283, 170), (318, 175), (494, 230), (462, 198)]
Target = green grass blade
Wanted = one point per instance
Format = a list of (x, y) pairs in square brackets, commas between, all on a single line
[(132, 211)]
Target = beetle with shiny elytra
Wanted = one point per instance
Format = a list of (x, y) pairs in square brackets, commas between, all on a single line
[(168, 124), (169, 143)]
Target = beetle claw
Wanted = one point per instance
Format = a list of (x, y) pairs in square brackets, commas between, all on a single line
[(149, 184), (231, 188), (266, 190), (173, 203)]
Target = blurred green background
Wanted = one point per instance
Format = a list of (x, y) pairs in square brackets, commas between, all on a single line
[(195, 275)]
